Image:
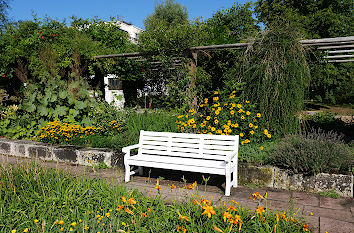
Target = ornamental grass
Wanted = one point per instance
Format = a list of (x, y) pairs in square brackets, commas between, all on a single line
[(34, 199)]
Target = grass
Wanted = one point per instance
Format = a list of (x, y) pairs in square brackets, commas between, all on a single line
[(50, 200)]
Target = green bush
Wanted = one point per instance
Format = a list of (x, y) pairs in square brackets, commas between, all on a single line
[(313, 152)]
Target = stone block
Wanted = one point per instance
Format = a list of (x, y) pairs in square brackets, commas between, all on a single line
[(5, 147), (65, 153), (258, 175), (42, 152), (333, 225), (117, 159), (342, 184)]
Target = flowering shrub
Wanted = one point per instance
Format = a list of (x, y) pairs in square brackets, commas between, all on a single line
[(61, 132), (225, 116)]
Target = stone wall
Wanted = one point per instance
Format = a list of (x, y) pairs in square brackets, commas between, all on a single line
[(73, 154), (264, 176)]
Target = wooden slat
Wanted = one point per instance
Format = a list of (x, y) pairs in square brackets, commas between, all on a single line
[(149, 147), (339, 56), (324, 40), (342, 51), (183, 154), (155, 143), (217, 147), (216, 152), (187, 150), (339, 61), (336, 47), (177, 140)]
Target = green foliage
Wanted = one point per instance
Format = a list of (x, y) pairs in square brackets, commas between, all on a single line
[(56, 99), (317, 19), (231, 25), (331, 193), (276, 76), (312, 153), (56, 199)]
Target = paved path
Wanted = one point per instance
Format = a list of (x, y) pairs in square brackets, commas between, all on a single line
[(323, 214)]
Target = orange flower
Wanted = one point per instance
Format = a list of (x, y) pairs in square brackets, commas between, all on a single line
[(181, 217), (209, 210), (128, 211), (123, 199), (217, 229), (259, 211), (256, 195), (232, 208), (305, 227), (172, 186), (120, 207), (192, 186), (131, 201), (144, 214), (226, 216)]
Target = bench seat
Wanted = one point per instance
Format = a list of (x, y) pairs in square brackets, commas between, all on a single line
[(211, 154)]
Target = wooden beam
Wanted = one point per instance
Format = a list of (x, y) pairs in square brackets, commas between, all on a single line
[(323, 40), (219, 47), (328, 43), (126, 55)]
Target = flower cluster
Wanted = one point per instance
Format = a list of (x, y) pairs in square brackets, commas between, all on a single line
[(225, 116), (114, 124), (57, 131)]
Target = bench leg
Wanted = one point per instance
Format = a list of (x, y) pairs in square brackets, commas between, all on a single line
[(140, 171), (234, 181), (127, 173), (228, 183)]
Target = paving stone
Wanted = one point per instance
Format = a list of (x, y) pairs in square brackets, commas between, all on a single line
[(352, 210), (335, 226), (342, 215), (314, 223), (340, 203), (305, 199), (276, 194)]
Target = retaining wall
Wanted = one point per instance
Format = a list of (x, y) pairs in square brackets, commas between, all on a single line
[(266, 176)]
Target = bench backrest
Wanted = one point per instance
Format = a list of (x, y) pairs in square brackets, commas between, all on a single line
[(203, 146)]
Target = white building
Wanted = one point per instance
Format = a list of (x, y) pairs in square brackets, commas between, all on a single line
[(113, 86)]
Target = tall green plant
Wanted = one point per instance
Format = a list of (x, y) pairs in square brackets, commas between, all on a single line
[(276, 75)]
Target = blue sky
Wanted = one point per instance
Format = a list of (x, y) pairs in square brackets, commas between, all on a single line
[(133, 11)]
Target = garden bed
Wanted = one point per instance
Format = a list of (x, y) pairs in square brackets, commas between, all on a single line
[(262, 176)]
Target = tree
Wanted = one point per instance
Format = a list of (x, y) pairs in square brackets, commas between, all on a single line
[(316, 18), (232, 25), (4, 5)]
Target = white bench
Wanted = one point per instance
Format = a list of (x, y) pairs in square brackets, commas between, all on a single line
[(212, 154)]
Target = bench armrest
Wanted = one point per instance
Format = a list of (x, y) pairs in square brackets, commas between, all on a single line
[(127, 149), (231, 155)]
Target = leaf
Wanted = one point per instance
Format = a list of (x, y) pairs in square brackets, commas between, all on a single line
[(42, 110), (60, 111), (86, 121), (63, 94), (29, 107), (73, 112), (80, 105), (53, 98)]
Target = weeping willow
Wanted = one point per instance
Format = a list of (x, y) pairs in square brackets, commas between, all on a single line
[(276, 75)]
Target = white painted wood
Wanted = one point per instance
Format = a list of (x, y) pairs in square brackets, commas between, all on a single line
[(213, 154)]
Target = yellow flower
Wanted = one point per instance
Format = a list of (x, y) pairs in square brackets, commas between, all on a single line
[(209, 210), (108, 215), (71, 229), (62, 229), (73, 224), (259, 115), (305, 227), (86, 228), (250, 125), (216, 121), (124, 224), (80, 220), (261, 148), (256, 126), (208, 118), (242, 117), (212, 128), (265, 132), (216, 92), (61, 222), (26, 230), (13, 231), (247, 101), (241, 135), (215, 98), (239, 106), (269, 136), (232, 112), (217, 112), (181, 217), (248, 113), (251, 132)]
